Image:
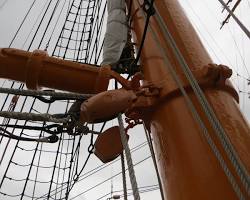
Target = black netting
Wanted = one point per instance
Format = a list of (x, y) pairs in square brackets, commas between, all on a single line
[(71, 30)]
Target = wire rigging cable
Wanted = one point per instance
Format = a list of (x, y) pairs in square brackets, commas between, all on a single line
[(151, 148), (19, 28), (128, 159), (241, 25), (124, 183), (100, 183), (148, 7)]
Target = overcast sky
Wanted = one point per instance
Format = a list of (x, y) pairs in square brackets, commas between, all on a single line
[(227, 46)]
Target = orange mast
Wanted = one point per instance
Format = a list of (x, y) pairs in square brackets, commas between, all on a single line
[(188, 165)]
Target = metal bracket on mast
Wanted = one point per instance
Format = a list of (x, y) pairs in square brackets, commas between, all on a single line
[(138, 101), (133, 99), (211, 76)]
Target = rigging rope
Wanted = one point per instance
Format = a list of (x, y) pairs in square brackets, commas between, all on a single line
[(54, 168), (241, 25), (37, 93), (6, 122), (100, 183), (228, 17), (50, 139), (26, 15), (35, 117), (124, 183), (90, 152), (151, 148), (143, 189), (34, 24), (32, 161), (16, 145), (47, 26), (148, 7), (128, 158)]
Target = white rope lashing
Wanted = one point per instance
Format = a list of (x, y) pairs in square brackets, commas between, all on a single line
[(34, 117), (128, 159), (62, 95)]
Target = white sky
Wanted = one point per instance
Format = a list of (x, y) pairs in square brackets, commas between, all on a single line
[(227, 46)]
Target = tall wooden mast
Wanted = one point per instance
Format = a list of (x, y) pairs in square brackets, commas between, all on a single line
[(189, 166)]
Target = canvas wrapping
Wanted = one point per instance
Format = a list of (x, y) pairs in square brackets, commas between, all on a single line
[(116, 32)]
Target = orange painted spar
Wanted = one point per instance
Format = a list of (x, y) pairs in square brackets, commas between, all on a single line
[(38, 69), (188, 167)]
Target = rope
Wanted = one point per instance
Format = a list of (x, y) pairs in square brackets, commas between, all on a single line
[(47, 26), (151, 148), (6, 122), (39, 26), (228, 16), (54, 168), (241, 25), (129, 159), (124, 177), (24, 19), (34, 117), (100, 183), (97, 169), (50, 139), (149, 9), (62, 95), (75, 178)]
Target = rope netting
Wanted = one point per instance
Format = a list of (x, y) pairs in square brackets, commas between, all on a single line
[(71, 30), (81, 38)]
